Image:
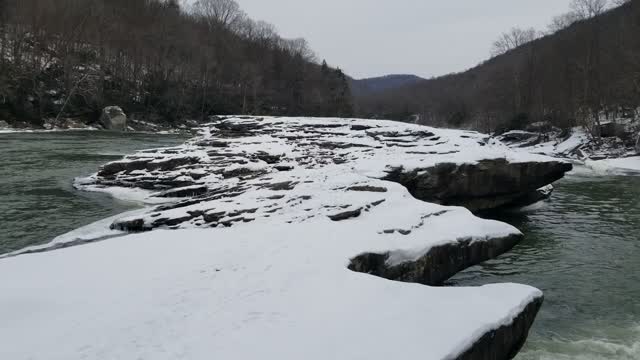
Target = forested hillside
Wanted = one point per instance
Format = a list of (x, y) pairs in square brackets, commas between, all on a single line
[(370, 86), (584, 67), (160, 62)]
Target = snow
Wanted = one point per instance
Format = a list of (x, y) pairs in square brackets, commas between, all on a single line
[(578, 137), (555, 147), (620, 166), (90, 233), (323, 157), (130, 194), (262, 291), (582, 151), (268, 277)]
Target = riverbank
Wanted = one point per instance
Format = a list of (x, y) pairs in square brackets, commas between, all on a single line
[(616, 154), (83, 124), (328, 200)]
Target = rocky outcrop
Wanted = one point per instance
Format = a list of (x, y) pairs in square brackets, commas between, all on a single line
[(616, 140), (235, 155), (113, 118), (506, 341), (352, 179), (441, 263), (488, 184), (438, 264)]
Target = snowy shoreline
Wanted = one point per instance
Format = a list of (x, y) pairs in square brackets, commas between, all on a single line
[(608, 158), (289, 235)]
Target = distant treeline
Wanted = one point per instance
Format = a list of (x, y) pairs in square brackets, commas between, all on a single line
[(585, 67), (155, 59)]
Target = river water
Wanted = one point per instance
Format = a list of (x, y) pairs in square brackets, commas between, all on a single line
[(37, 199), (582, 248)]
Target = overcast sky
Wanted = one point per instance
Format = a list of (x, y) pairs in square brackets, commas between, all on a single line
[(424, 37)]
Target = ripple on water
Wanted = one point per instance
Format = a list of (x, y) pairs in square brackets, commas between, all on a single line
[(582, 249), (626, 346), (37, 200)]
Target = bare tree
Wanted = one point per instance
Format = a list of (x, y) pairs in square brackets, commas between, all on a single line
[(619, 2), (586, 9), (563, 21), (512, 39), (299, 47), (219, 12)]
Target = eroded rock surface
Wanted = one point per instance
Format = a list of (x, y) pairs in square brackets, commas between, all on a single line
[(291, 156)]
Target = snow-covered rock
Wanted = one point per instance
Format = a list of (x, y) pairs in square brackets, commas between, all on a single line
[(255, 292), (620, 166), (576, 143), (238, 156), (292, 238), (608, 156)]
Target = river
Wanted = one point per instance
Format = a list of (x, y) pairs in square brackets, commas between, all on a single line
[(37, 199), (582, 248)]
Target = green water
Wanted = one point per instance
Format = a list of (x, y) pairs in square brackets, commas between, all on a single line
[(582, 249), (37, 199)]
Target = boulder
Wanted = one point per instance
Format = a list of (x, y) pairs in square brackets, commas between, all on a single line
[(612, 129), (638, 144), (113, 118), (4, 124)]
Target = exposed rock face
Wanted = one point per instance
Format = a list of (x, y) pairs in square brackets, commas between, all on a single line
[(506, 341), (113, 118), (486, 185), (438, 265)]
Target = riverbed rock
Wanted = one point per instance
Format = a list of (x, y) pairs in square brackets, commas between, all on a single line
[(237, 156), (113, 118)]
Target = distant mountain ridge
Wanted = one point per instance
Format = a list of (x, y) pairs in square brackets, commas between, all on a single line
[(374, 85)]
